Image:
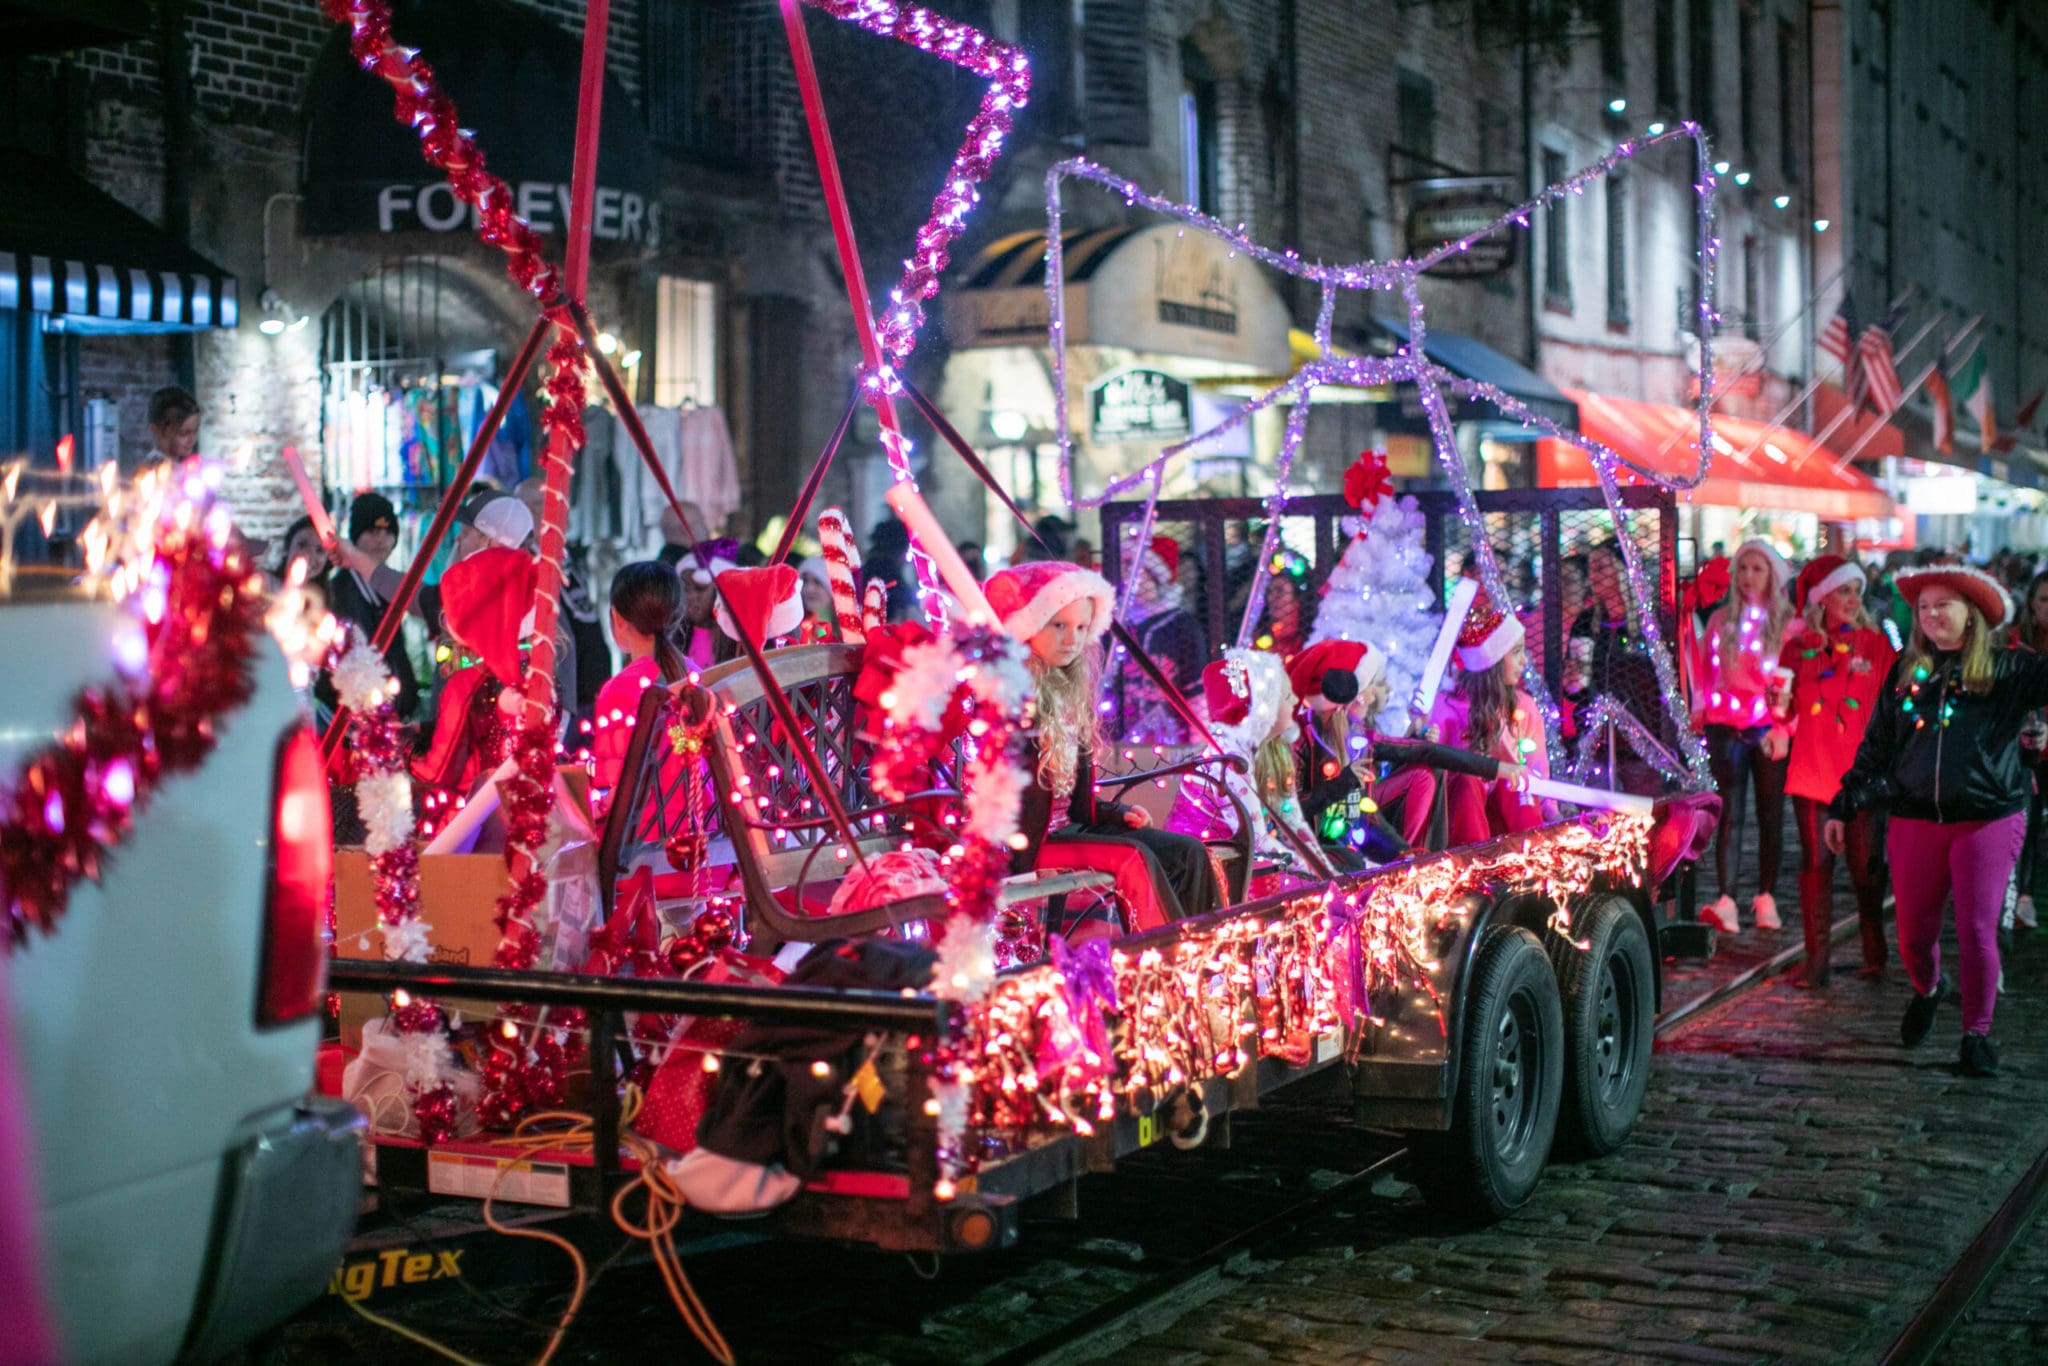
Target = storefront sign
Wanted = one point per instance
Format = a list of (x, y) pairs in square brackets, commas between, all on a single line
[(1139, 405), (1164, 290), (617, 215), (1441, 211)]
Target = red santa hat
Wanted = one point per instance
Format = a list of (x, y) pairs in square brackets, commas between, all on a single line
[(1822, 576), (1168, 551), (1228, 692), (1487, 635), (1336, 670), (767, 600), (1027, 596), (1974, 586), (485, 602)]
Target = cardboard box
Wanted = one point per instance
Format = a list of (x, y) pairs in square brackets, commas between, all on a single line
[(458, 900)]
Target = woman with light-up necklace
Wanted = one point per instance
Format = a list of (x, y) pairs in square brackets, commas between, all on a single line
[(1737, 668)]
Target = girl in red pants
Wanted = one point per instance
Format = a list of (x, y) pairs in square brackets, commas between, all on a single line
[(1942, 754), (1838, 663), (1488, 712)]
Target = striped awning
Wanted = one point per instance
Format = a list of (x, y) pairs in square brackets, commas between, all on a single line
[(89, 263)]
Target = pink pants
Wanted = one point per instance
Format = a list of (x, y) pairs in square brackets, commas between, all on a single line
[(1412, 790), (1974, 859)]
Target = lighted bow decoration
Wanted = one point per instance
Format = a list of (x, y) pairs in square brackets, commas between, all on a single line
[(1409, 363), (1367, 481)]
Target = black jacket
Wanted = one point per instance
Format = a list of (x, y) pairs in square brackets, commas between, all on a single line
[(1084, 808), (1910, 764)]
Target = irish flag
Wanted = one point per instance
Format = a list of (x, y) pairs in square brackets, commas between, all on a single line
[(1971, 385)]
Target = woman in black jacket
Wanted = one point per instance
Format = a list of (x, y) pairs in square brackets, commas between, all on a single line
[(1942, 755)]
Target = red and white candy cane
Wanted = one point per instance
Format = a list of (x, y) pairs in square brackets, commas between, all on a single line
[(842, 569), (874, 607)]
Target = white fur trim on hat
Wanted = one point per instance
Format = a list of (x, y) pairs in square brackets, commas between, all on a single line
[(1781, 571), (1371, 669), (1504, 637), (702, 575), (1845, 573), (1056, 595)]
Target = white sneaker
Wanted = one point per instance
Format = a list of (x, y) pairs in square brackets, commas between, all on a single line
[(1765, 909), (2024, 913), (1722, 916)]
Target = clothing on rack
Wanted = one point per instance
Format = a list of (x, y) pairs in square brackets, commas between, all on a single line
[(694, 447)]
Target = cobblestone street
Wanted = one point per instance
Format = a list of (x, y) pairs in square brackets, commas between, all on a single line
[(1796, 1189)]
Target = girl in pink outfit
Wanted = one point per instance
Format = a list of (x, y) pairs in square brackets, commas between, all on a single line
[(1488, 712), (1736, 672), (646, 603)]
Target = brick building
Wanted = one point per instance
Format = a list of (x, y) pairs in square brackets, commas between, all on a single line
[(735, 301)]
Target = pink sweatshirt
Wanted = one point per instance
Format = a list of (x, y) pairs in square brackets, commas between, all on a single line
[(1731, 686)]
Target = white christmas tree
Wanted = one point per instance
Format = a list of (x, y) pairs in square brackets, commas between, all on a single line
[(1379, 591)]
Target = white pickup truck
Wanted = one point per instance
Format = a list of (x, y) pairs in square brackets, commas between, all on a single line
[(190, 1193)]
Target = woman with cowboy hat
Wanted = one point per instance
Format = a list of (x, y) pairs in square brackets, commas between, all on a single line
[(1942, 755)]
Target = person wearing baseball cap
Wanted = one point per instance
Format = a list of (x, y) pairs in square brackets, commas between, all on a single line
[(491, 517), (1942, 756), (1834, 662)]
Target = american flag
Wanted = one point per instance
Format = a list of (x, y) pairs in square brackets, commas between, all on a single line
[(1880, 374), (1837, 339)]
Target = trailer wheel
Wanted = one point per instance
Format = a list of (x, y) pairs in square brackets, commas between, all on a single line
[(1510, 1081), (1608, 992)]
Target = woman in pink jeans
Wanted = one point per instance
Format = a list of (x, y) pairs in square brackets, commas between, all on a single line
[(1942, 754)]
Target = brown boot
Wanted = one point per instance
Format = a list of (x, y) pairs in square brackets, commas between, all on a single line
[(1816, 912)]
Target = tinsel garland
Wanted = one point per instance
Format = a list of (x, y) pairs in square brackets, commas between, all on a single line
[(384, 798), (193, 608), (972, 684)]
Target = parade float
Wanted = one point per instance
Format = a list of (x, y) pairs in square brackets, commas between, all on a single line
[(946, 1057)]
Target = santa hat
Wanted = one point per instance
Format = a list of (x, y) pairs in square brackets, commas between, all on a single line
[(1336, 670), (1487, 636), (1027, 596), (485, 602), (768, 601), (1975, 586), (1168, 551), (1246, 691), (1822, 576), (1781, 572)]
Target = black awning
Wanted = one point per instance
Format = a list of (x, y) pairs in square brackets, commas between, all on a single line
[(64, 25), (513, 76), (1475, 360), (93, 264)]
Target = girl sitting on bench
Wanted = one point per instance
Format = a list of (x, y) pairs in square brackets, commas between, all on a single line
[(1061, 612)]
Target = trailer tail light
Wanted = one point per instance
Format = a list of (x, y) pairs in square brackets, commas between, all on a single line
[(301, 871)]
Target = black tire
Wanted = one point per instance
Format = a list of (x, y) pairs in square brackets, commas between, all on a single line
[(1609, 992), (1510, 1083)]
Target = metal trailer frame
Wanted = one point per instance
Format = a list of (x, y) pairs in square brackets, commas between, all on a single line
[(1399, 1074)]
